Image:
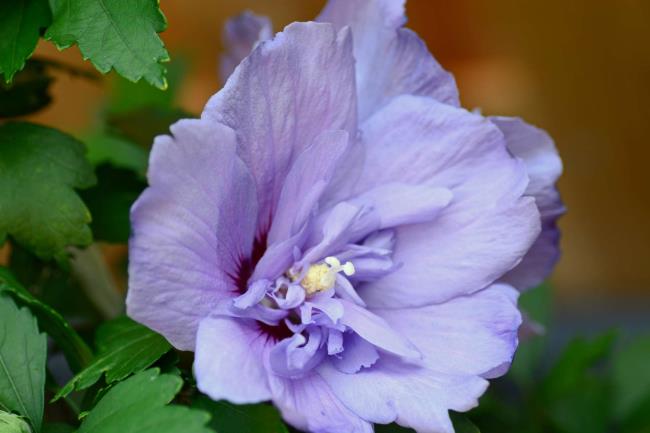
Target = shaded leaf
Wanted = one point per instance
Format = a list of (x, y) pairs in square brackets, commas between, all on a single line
[(76, 351), (57, 428), (576, 360), (110, 202), (114, 34), (39, 169), (22, 362), (28, 93), (138, 405), (248, 418), (631, 377), (143, 124), (21, 22), (125, 347), (120, 152)]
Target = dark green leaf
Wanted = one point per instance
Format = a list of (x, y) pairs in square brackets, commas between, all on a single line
[(461, 423), (114, 34), (631, 377), (249, 418), (50, 321), (139, 405), (57, 427), (39, 169), (125, 347), (28, 93), (22, 362), (21, 22), (110, 201)]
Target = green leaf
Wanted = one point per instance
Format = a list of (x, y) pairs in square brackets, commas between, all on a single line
[(10, 423), (76, 351), (631, 377), (142, 125), (138, 405), (39, 169), (22, 362), (536, 305), (110, 202), (21, 22), (249, 418), (461, 423), (575, 397), (57, 427), (28, 93), (114, 34), (125, 347), (576, 361), (118, 151)]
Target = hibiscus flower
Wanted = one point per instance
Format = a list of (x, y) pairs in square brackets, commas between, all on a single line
[(336, 235)]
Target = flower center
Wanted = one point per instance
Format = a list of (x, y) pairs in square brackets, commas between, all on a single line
[(322, 276)]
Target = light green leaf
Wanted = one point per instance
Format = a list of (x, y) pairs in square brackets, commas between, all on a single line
[(139, 405), (248, 418), (120, 152), (39, 169), (22, 362), (631, 377), (115, 34), (125, 347), (10, 423), (20, 25), (76, 351)]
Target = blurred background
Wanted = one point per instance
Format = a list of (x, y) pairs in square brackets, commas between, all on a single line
[(578, 69)]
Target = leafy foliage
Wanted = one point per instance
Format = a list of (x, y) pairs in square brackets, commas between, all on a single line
[(50, 321), (110, 201), (249, 418), (39, 169), (139, 405), (631, 381), (22, 362), (20, 24), (125, 347), (114, 34)]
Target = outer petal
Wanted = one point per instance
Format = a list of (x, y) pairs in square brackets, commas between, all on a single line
[(475, 334), (462, 341), (191, 228), (240, 35), (310, 405), (391, 60), (485, 230), (285, 93), (544, 167), (229, 361), (412, 396)]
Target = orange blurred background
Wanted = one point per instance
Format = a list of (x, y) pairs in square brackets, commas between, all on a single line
[(580, 69)]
